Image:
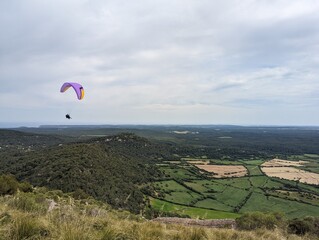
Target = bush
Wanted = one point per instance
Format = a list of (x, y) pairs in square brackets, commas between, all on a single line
[(8, 185), (80, 194), (25, 187), (255, 220), (303, 226)]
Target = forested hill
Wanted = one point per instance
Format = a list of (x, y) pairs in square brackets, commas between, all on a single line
[(108, 168), (24, 140)]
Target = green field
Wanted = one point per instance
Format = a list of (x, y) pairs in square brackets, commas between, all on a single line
[(213, 204), (273, 184), (259, 181), (259, 202), (242, 182), (169, 186), (232, 196), (187, 198), (210, 185), (253, 170), (197, 186), (252, 162), (193, 212), (177, 172)]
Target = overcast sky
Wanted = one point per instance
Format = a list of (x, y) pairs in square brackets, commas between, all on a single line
[(160, 61)]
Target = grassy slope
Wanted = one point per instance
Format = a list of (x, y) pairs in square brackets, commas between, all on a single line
[(89, 219)]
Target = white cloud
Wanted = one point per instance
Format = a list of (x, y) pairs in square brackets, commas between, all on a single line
[(161, 61)]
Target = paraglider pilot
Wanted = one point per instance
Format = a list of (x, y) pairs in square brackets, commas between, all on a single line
[(78, 90)]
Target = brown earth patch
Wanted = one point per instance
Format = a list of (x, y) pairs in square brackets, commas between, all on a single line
[(291, 173), (221, 171), (283, 163)]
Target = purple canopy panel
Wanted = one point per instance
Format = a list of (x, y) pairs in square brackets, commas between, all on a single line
[(77, 88)]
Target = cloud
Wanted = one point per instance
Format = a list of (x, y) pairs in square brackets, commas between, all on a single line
[(160, 61)]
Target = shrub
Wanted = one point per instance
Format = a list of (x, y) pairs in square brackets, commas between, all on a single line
[(255, 220), (303, 226), (80, 194), (25, 187), (8, 185)]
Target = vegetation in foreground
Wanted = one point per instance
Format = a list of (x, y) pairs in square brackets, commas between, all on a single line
[(41, 214)]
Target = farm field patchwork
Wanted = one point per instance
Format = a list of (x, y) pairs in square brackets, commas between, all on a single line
[(190, 189)]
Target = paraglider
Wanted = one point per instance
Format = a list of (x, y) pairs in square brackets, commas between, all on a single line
[(78, 90)]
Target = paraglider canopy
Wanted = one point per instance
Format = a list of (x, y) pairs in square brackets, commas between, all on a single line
[(77, 88)]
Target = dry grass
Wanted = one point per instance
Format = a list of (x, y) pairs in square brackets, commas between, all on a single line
[(74, 220), (221, 171)]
